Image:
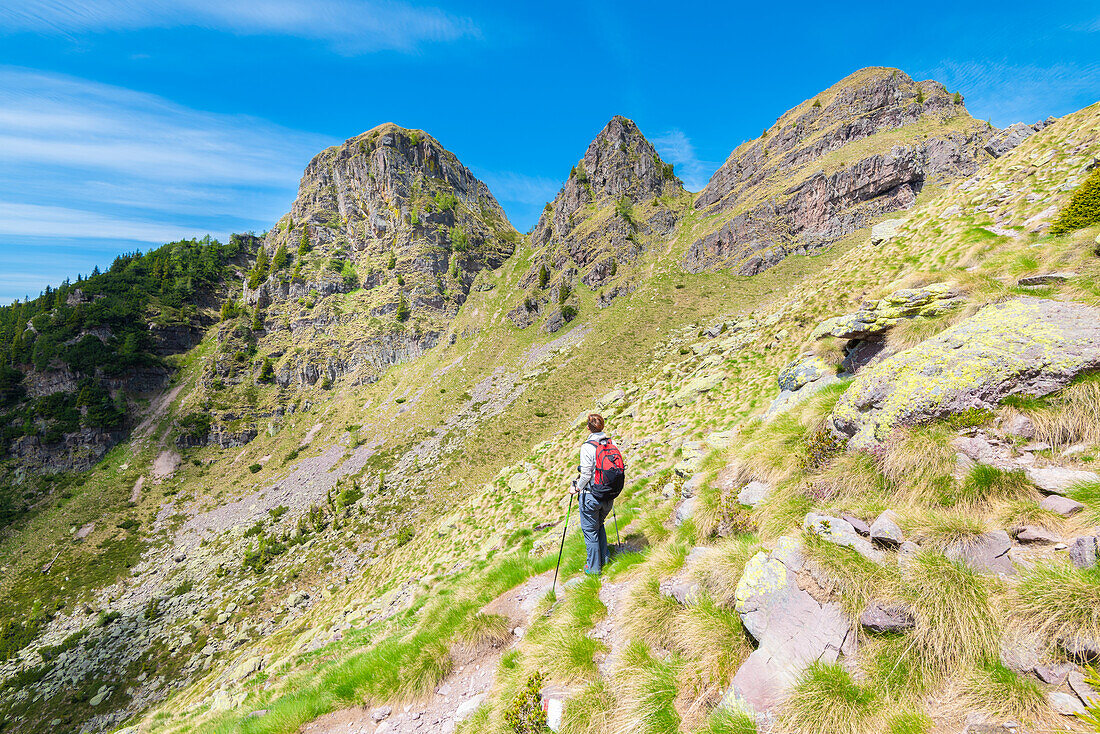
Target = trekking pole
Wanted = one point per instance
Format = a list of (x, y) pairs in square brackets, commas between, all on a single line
[(618, 540), (569, 507)]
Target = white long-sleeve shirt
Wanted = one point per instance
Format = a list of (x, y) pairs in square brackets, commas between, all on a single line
[(588, 460)]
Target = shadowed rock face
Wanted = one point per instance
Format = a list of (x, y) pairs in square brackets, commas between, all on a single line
[(817, 176), (585, 234)]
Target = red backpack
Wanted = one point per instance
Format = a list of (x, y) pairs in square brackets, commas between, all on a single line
[(610, 476)]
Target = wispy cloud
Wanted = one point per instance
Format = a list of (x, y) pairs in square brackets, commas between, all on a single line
[(1006, 93), (82, 161), (135, 165), (676, 148), (508, 186), (349, 26)]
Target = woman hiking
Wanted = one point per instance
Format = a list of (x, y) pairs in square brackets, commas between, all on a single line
[(602, 475)]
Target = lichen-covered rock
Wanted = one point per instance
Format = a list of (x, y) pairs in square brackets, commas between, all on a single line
[(878, 316), (791, 628), (806, 369), (1028, 346), (884, 230)]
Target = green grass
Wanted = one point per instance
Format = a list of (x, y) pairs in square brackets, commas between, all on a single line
[(984, 483), (648, 690), (483, 629), (1002, 692), (956, 622), (826, 700), (590, 711), (722, 721), (909, 722), (851, 576), (1058, 600)]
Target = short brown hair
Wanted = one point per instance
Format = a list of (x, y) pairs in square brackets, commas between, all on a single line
[(595, 422)]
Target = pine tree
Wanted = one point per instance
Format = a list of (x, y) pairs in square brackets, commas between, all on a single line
[(281, 257), (267, 371), (544, 276), (403, 310)]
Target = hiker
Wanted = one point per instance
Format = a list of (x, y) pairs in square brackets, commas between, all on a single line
[(602, 475)]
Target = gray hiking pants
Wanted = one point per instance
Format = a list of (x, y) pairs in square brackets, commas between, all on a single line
[(593, 514)]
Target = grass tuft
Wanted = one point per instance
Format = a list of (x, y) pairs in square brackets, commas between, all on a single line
[(1058, 601), (484, 629), (1002, 692), (826, 700)]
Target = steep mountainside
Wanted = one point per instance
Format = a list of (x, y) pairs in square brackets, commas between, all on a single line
[(619, 199), (862, 485), (863, 147)]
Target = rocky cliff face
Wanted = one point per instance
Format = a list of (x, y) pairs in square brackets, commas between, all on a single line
[(828, 167), (616, 199), (380, 249)]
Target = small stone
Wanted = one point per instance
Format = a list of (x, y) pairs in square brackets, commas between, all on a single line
[(1085, 551), (685, 511), (885, 530), (1065, 704), (692, 485), (1036, 446), (1054, 675), (1063, 506), (753, 493), (887, 617), (839, 532), (381, 714), (860, 526), (1045, 278), (1034, 534)]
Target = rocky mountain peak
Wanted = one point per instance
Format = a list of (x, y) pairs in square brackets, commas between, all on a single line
[(829, 166), (392, 218), (615, 201)]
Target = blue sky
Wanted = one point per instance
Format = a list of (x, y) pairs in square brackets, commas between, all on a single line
[(126, 123)]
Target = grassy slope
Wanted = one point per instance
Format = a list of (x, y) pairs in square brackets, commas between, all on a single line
[(646, 328)]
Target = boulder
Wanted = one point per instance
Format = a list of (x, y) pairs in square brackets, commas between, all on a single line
[(839, 532), (986, 553), (791, 628), (696, 387), (885, 530), (611, 398), (1059, 479), (878, 316), (1084, 551), (1026, 345), (804, 370), (1060, 505), (887, 617), (753, 493), (1006, 140)]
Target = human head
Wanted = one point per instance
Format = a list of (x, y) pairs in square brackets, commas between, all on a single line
[(595, 422)]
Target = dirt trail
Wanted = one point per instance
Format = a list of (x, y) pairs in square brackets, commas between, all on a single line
[(459, 695)]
